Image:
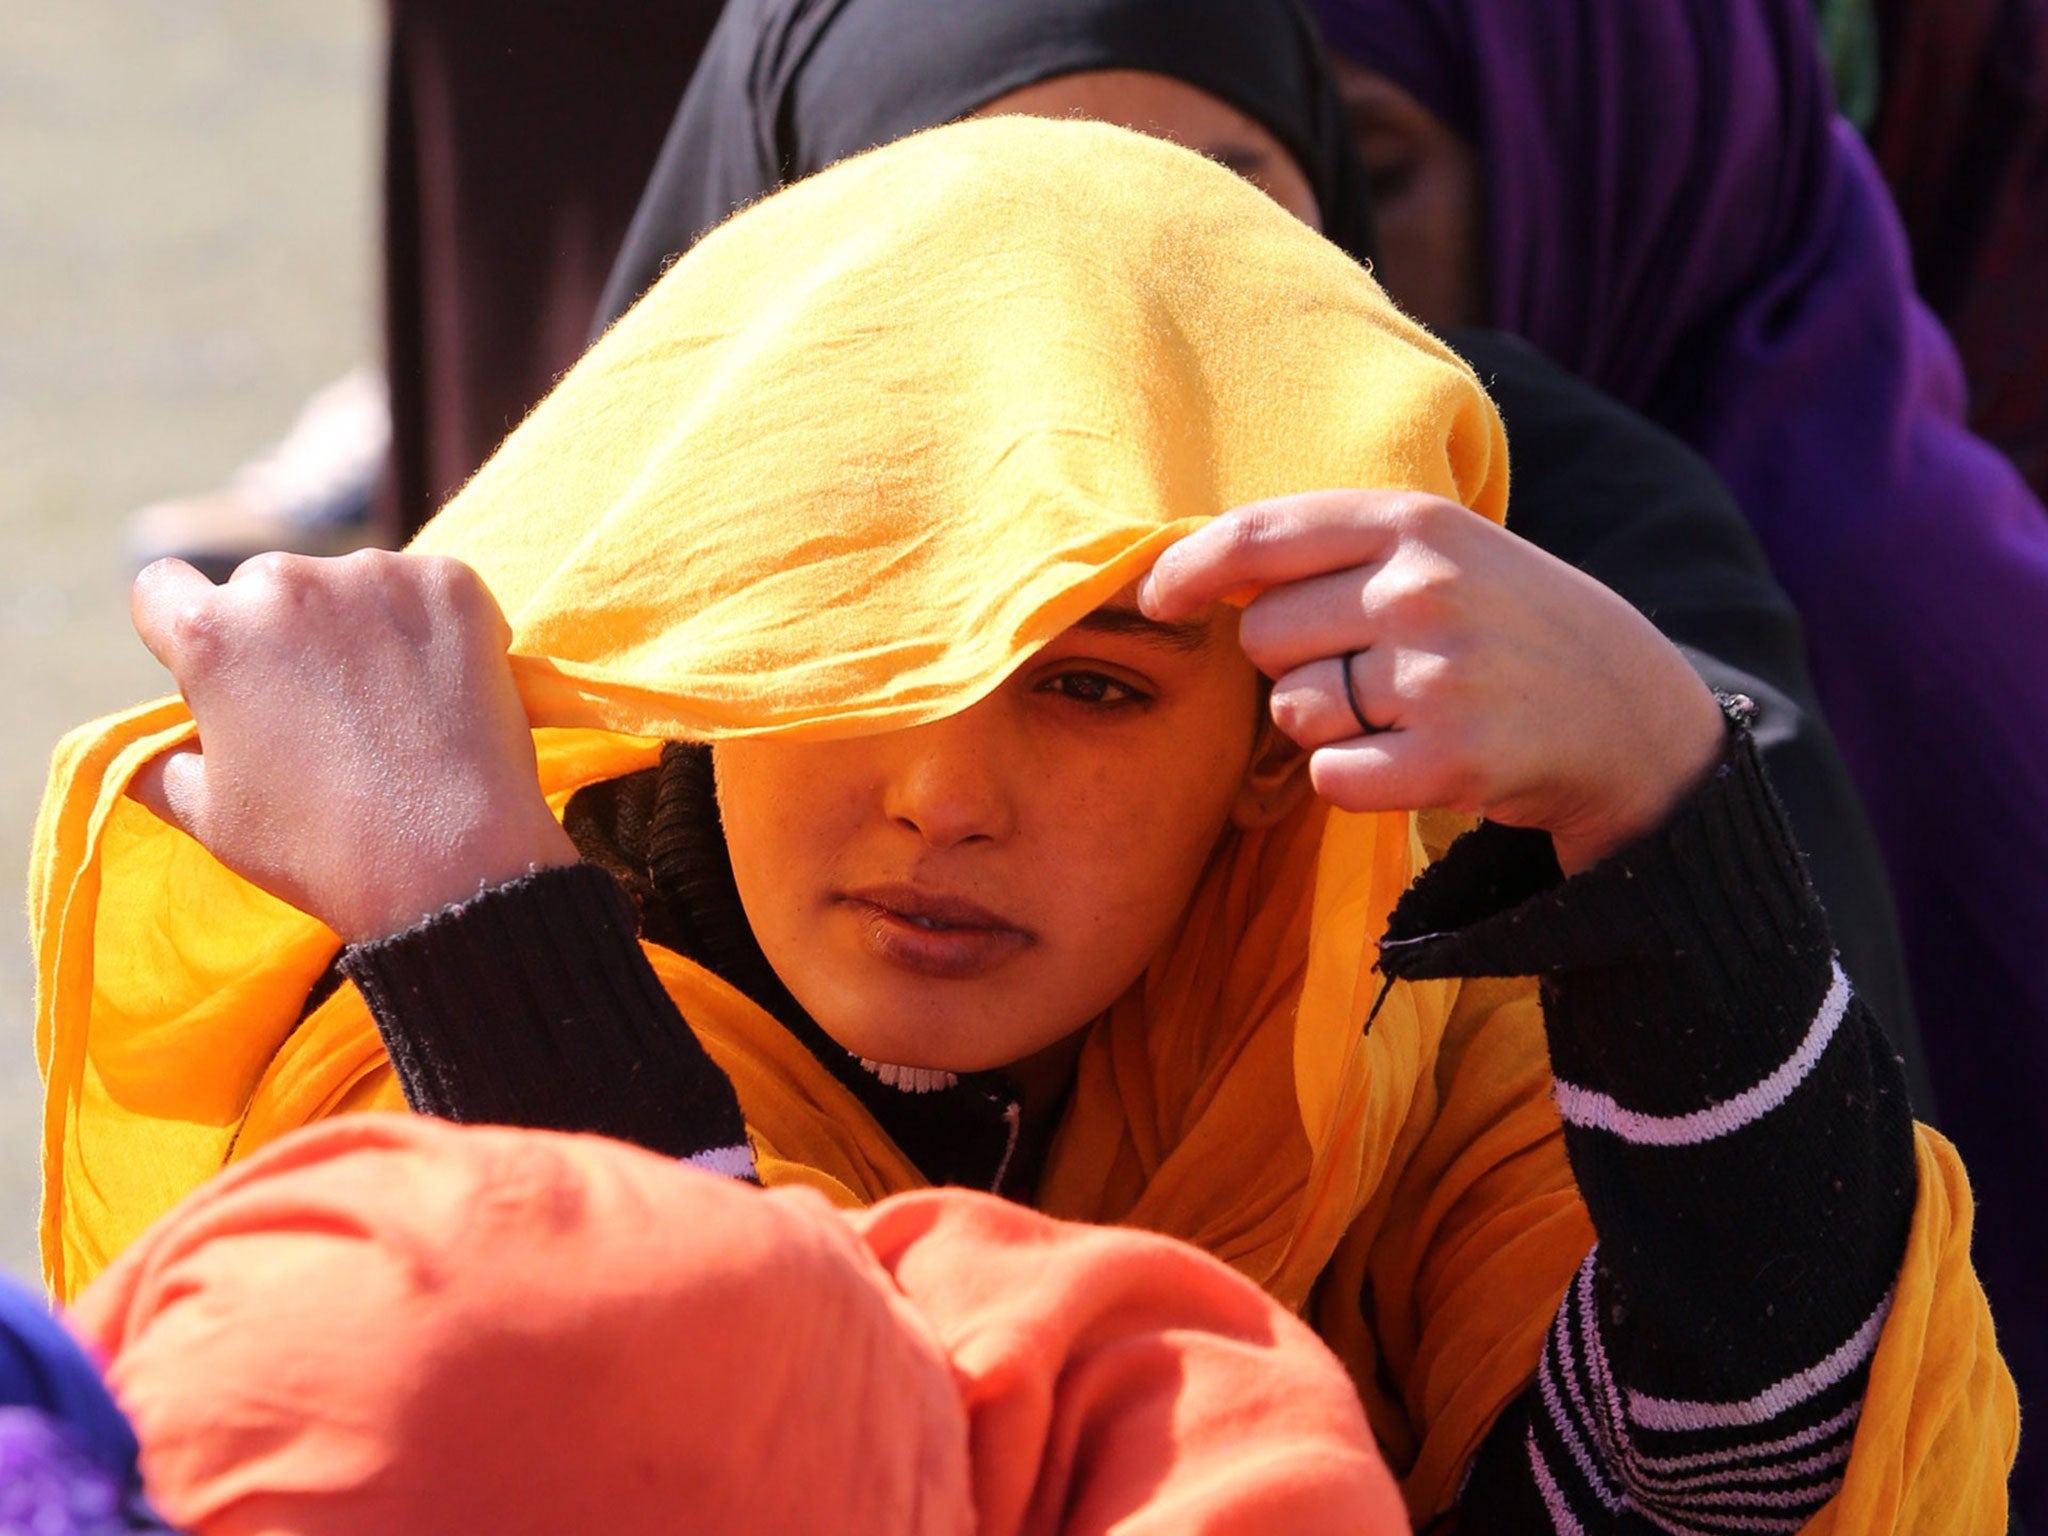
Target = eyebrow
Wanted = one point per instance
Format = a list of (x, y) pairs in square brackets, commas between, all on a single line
[(1188, 638)]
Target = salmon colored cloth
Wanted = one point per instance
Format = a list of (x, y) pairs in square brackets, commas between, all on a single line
[(861, 452), (391, 1325)]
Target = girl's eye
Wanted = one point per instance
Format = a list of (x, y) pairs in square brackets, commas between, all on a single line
[(1093, 688)]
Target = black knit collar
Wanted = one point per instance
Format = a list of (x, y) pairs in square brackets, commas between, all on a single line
[(970, 1131)]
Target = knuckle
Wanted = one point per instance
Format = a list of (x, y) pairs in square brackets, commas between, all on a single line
[(1331, 775), (1294, 709), (1425, 680), (1354, 780), (448, 579), (1260, 629), (1425, 591), (1412, 598), (458, 590), (194, 630), (360, 566), (275, 570), (1249, 530), (1416, 512)]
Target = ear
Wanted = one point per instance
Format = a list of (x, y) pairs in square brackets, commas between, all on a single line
[(1275, 783)]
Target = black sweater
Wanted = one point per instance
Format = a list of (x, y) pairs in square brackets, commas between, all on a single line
[(1632, 506), (1735, 1120)]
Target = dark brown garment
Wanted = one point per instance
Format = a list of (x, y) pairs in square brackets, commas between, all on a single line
[(1962, 135), (518, 137)]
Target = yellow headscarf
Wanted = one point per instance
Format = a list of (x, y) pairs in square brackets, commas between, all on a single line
[(864, 450)]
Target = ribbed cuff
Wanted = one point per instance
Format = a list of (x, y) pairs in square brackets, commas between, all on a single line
[(1733, 1117), (1708, 925), (533, 1004)]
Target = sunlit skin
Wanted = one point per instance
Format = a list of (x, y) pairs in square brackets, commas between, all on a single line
[(967, 893)]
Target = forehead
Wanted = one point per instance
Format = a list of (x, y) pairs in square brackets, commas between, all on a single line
[(1120, 615), (1188, 636)]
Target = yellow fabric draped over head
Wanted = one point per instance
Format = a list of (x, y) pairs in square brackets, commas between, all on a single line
[(867, 447)]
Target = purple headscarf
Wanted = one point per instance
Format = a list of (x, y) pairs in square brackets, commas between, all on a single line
[(1675, 212), (68, 1459)]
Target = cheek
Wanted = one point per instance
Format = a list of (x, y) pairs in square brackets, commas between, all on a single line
[(782, 821), (1126, 842)]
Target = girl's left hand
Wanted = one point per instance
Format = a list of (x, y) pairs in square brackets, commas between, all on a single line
[(1494, 678)]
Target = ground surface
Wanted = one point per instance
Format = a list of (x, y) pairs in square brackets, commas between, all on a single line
[(187, 226)]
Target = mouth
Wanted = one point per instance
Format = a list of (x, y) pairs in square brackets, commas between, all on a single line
[(929, 933)]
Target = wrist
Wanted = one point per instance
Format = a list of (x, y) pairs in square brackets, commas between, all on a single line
[(447, 870), (1694, 745)]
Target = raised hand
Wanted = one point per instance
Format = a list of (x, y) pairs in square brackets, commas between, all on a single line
[(362, 751), (1428, 657)]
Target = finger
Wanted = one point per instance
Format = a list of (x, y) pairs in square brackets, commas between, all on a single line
[(469, 597), (170, 605), (1393, 771), (172, 786), (1291, 625), (1268, 542), (1312, 706)]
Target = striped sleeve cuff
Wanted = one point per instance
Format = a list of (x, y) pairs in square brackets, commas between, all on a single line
[(1594, 1448), (1689, 979), (1738, 1128)]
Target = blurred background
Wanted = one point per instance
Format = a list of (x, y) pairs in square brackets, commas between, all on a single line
[(187, 250)]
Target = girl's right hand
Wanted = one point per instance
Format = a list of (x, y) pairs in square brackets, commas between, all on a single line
[(1494, 678), (362, 751)]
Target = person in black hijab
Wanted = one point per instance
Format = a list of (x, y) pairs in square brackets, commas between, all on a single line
[(788, 87)]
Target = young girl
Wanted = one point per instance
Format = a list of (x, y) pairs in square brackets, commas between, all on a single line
[(789, 87), (1002, 867)]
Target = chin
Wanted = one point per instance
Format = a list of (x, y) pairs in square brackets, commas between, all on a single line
[(938, 1038)]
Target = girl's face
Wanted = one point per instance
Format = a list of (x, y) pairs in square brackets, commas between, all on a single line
[(965, 894)]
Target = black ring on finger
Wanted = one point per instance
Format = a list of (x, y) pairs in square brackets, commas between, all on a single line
[(1365, 726)]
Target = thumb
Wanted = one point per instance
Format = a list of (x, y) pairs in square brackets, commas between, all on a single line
[(172, 786), (170, 605)]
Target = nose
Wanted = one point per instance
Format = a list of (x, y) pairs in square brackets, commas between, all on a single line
[(946, 783)]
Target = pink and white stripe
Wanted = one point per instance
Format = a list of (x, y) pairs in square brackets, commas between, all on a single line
[(734, 1162), (1592, 1110), (1665, 1414)]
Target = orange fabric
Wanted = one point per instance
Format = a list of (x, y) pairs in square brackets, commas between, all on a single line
[(388, 1325)]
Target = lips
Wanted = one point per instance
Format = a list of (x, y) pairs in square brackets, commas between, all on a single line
[(933, 934)]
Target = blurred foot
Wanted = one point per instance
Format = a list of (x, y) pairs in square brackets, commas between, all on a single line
[(310, 494)]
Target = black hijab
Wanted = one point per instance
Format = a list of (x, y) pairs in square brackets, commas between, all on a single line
[(788, 87)]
